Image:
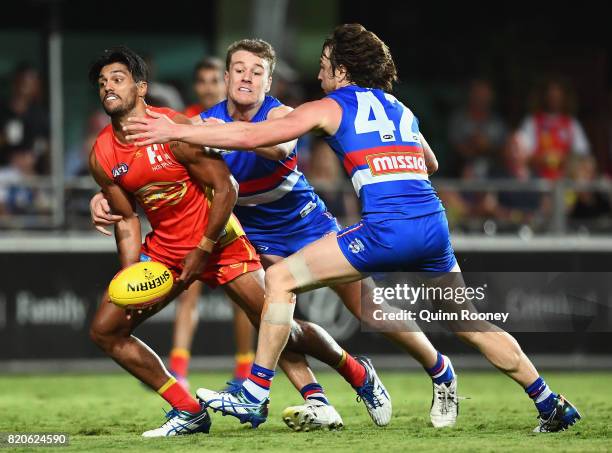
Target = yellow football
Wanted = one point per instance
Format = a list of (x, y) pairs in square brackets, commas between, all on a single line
[(140, 285)]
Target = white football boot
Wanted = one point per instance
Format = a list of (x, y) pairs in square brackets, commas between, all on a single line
[(374, 395), (179, 423), (236, 404), (312, 415), (444, 403)]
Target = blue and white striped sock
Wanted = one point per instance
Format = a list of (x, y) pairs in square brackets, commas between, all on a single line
[(442, 371), (314, 392), (541, 395), (257, 386)]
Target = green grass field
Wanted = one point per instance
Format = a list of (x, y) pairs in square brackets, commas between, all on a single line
[(109, 412)]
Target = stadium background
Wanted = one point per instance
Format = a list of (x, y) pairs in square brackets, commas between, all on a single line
[(53, 266)]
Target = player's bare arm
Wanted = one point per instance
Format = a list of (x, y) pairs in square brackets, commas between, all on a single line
[(277, 152), (127, 230), (322, 115), (430, 158), (282, 150), (208, 169)]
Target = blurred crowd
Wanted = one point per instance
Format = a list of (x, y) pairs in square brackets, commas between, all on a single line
[(548, 146), (24, 144), (499, 176)]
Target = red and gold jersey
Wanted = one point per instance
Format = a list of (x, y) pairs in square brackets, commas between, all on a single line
[(554, 143), (176, 206)]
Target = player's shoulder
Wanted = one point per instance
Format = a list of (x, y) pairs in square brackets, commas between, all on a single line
[(271, 101), (343, 98), (104, 140), (102, 152), (327, 105), (279, 111), (217, 110), (343, 91)]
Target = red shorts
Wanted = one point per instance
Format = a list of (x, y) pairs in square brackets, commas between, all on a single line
[(224, 265)]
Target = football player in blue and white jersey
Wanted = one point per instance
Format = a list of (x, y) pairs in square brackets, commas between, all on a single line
[(378, 141)]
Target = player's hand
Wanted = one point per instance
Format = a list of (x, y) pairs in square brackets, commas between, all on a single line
[(177, 288), (193, 266), (156, 128), (101, 214), (130, 313)]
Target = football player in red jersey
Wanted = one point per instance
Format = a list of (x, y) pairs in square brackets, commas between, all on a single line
[(209, 88), (193, 233)]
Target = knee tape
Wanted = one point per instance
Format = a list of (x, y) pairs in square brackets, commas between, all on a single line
[(279, 313), (299, 270)]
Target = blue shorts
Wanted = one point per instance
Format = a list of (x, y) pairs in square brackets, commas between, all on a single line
[(286, 241), (421, 244)]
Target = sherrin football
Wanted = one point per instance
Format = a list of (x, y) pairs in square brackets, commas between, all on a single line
[(140, 285)]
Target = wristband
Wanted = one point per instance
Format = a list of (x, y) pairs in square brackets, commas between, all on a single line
[(207, 244)]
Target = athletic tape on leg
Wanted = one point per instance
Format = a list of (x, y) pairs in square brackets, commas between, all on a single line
[(299, 270), (279, 313)]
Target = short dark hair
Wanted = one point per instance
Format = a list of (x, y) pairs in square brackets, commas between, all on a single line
[(120, 54), (210, 63), (365, 56), (258, 47)]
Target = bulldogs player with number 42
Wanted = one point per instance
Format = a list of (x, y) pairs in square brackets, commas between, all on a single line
[(378, 141)]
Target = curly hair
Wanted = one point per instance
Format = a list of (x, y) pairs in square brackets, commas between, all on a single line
[(257, 47), (365, 56), (120, 54)]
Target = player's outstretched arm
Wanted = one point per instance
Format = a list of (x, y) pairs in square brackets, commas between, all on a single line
[(127, 230), (276, 152), (323, 115), (282, 150), (208, 169)]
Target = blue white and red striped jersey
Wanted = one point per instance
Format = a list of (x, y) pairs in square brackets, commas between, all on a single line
[(272, 194), (378, 143)]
